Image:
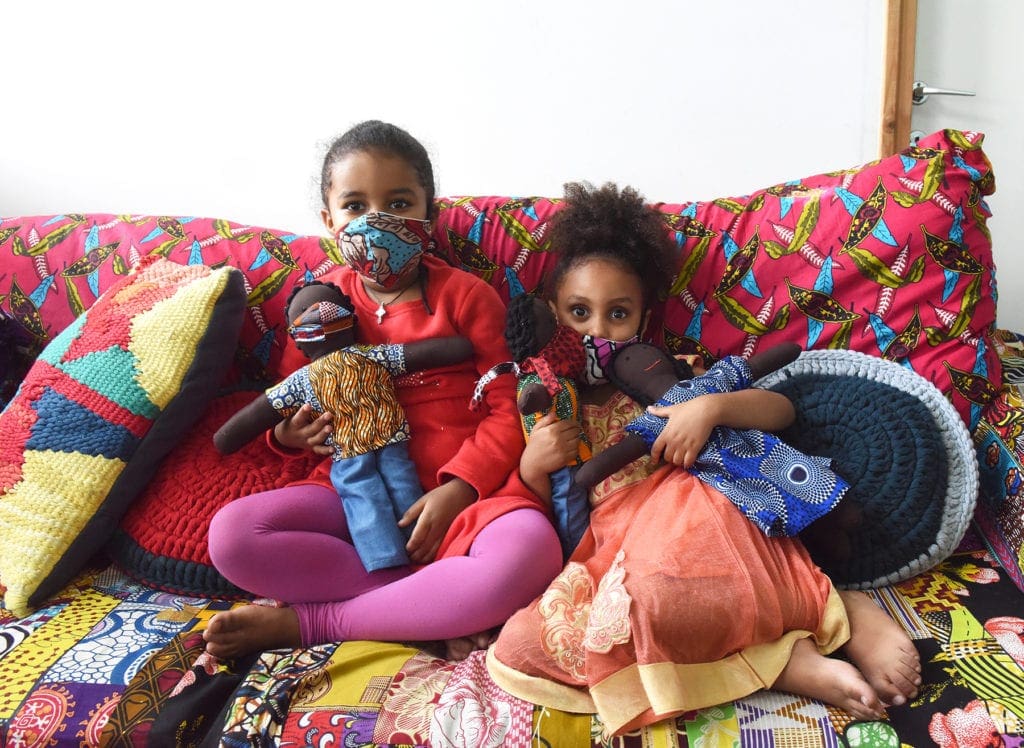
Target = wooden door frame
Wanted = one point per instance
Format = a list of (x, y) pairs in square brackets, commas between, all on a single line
[(897, 75)]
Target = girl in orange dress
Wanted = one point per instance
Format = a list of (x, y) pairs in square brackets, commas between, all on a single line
[(673, 600)]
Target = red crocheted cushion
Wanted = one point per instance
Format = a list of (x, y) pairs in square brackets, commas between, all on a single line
[(162, 538)]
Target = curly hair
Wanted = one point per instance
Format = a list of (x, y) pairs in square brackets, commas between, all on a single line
[(609, 223)]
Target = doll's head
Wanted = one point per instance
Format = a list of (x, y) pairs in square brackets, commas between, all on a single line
[(540, 344), (646, 372), (529, 325), (321, 318)]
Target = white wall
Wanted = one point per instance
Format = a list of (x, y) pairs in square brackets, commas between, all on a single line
[(224, 108)]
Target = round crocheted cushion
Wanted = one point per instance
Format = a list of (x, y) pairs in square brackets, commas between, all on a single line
[(910, 461)]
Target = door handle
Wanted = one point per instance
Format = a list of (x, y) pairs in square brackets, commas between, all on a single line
[(922, 91)]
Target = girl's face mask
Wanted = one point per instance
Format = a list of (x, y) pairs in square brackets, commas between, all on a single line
[(384, 248), (599, 354)]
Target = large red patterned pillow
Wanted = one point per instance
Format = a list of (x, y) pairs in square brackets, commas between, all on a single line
[(892, 258), (54, 268)]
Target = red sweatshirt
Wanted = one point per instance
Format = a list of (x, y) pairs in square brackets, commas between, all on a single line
[(481, 447)]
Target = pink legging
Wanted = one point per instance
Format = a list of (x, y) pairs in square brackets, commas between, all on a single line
[(293, 545)]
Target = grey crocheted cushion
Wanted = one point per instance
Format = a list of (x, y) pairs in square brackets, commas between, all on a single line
[(906, 453)]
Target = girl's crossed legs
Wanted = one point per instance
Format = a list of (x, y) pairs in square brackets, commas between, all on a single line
[(292, 544)]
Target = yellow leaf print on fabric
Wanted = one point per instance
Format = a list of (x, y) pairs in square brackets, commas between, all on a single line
[(565, 609), (609, 613)]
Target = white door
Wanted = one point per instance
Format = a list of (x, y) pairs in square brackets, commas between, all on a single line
[(978, 46)]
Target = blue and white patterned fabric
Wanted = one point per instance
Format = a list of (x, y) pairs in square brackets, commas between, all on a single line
[(779, 488)]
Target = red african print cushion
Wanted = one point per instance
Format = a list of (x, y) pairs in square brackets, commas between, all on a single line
[(891, 258)]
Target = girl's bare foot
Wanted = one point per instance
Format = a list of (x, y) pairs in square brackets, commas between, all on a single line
[(810, 673), (251, 628), (881, 649), (461, 648)]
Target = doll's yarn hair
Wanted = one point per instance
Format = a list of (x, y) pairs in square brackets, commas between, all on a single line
[(343, 299), (521, 327), (680, 368)]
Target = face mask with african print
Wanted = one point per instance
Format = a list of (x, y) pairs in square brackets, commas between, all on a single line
[(599, 353), (384, 248)]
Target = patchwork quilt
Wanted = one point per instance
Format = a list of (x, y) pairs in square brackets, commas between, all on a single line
[(111, 662)]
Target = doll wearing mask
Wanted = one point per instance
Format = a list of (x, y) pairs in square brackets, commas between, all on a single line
[(548, 360), (371, 469)]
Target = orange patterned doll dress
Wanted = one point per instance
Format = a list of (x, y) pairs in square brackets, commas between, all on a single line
[(672, 601)]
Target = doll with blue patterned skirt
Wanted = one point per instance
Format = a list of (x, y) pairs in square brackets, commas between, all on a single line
[(777, 487), (371, 469), (548, 360)]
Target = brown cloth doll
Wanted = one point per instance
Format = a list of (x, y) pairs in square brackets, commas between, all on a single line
[(371, 470), (777, 487), (549, 361)]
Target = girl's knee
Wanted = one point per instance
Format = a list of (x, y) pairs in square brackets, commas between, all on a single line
[(227, 536), (525, 546)]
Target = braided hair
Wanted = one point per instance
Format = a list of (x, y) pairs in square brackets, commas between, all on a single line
[(521, 326)]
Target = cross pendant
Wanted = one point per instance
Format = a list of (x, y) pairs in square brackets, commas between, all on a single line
[(381, 311)]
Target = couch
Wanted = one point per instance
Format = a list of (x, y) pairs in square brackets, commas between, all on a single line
[(127, 340)]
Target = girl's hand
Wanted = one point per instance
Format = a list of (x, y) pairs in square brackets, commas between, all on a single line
[(688, 429), (304, 431), (690, 424), (433, 514), (553, 444)]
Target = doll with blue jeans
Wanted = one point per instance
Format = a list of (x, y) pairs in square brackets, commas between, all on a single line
[(548, 360), (371, 469)]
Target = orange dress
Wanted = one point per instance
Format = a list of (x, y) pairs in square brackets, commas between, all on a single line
[(672, 601)]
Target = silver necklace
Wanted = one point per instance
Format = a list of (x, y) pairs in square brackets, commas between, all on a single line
[(382, 305)]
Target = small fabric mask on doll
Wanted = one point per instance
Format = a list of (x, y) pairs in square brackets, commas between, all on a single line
[(370, 433), (777, 487)]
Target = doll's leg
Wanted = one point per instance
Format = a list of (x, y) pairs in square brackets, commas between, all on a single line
[(511, 561), (371, 518), (291, 544), (571, 506), (398, 471)]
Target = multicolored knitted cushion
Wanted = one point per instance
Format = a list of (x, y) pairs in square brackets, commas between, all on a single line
[(104, 402), (891, 258), (903, 448), (161, 540)]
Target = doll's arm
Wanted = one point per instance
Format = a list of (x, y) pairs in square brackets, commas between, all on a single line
[(772, 359), (433, 352), (246, 425), (611, 460), (533, 398)]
